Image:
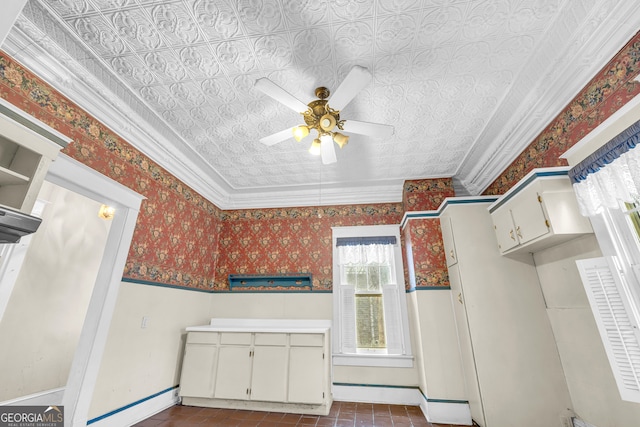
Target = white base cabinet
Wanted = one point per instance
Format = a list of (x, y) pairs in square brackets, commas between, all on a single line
[(271, 367)]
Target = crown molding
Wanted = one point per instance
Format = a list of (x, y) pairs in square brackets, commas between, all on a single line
[(81, 83), (592, 46)]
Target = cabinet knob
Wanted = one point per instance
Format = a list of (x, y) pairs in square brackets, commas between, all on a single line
[(511, 235), (451, 254), (518, 232), (460, 298)]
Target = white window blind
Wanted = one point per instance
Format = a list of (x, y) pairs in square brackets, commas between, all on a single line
[(609, 298)]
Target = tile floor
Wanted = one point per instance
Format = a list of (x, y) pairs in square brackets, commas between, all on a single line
[(342, 414)]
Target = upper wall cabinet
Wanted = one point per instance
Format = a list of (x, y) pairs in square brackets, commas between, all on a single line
[(538, 212), (27, 148)]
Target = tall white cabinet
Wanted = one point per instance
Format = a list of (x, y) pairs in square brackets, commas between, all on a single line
[(260, 364), (513, 374)]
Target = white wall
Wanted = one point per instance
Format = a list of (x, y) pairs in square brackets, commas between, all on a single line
[(139, 362), (307, 306), (591, 384), (439, 355), (41, 326)]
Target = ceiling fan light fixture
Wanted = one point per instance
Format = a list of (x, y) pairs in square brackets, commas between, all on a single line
[(340, 139), (315, 147), (300, 132), (327, 122)]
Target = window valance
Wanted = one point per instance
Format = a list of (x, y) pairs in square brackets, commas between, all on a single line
[(372, 240), (610, 175)]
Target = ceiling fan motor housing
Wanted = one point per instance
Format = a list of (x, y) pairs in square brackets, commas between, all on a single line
[(320, 115)]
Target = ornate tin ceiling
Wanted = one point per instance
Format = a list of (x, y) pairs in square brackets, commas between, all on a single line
[(467, 84)]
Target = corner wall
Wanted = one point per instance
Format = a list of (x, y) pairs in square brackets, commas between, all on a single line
[(141, 361), (587, 371)]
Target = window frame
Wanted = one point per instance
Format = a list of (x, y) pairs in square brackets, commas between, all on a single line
[(370, 358)]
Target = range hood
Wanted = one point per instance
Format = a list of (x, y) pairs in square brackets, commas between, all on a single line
[(15, 224)]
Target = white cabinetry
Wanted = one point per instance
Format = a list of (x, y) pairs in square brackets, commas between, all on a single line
[(234, 373), (306, 358), (538, 212), (25, 156), (198, 367), (449, 243), (258, 364), (513, 375)]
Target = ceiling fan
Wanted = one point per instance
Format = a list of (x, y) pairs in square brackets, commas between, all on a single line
[(323, 115)]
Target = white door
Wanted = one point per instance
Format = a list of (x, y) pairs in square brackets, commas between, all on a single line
[(198, 369), (528, 215), (234, 373), (306, 371), (268, 382), (466, 349)]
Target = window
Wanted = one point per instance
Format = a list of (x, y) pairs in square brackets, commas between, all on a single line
[(370, 309), (607, 186)]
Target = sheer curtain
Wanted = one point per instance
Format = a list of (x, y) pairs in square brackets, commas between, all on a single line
[(372, 254), (610, 175)]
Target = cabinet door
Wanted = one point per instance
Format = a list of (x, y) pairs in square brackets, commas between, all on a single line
[(466, 349), (528, 215), (306, 375), (198, 369), (505, 231), (234, 372), (447, 240), (269, 379)]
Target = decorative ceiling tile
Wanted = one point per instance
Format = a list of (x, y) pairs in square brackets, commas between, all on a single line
[(217, 19), (459, 80), (137, 30), (175, 24)]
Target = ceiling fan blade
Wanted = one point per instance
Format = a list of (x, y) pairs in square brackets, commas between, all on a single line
[(369, 129), (357, 79), (268, 87), (327, 151), (277, 137)]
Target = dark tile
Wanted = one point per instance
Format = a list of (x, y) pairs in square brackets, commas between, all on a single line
[(342, 414)]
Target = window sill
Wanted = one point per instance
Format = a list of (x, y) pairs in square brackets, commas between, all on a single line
[(378, 360)]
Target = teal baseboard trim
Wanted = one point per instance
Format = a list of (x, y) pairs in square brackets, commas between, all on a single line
[(431, 399), (137, 402), (226, 291), (377, 385), (165, 285), (433, 288), (272, 291)]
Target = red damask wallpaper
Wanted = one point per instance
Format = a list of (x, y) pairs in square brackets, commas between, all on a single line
[(181, 239), (428, 265), (604, 95), (177, 230), (290, 240), (426, 194)]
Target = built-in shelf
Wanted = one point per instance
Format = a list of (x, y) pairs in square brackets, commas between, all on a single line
[(9, 177), (26, 151), (267, 282)]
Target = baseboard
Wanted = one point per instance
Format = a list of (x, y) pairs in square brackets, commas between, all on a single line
[(139, 410), (444, 411), (441, 411), (47, 397), (373, 393)]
